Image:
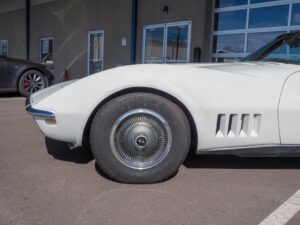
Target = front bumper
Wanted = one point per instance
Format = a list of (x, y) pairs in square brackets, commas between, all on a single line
[(39, 113), (53, 121)]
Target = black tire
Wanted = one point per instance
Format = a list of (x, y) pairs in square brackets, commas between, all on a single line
[(34, 78), (103, 138)]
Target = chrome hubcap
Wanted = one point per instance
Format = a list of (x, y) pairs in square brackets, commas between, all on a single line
[(141, 142), (33, 82), (140, 139)]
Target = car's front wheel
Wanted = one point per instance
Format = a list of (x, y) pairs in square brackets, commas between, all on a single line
[(140, 138), (32, 81)]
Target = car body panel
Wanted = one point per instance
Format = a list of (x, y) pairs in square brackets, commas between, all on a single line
[(3, 75), (206, 90), (289, 111), (12, 69)]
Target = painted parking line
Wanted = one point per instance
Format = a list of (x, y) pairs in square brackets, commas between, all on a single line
[(285, 212)]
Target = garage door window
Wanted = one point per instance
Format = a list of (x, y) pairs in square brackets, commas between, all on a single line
[(167, 43), (154, 45), (47, 50), (4, 47), (242, 26), (95, 51), (296, 14)]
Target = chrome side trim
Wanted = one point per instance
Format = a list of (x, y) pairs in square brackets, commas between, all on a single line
[(40, 113)]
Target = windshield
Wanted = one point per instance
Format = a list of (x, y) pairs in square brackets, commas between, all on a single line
[(285, 49)]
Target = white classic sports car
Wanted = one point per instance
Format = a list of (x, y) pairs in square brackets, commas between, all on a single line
[(142, 120)]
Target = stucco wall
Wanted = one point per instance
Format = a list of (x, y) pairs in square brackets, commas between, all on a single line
[(69, 21), (12, 28)]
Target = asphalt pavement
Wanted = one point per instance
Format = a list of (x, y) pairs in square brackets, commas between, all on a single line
[(43, 182)]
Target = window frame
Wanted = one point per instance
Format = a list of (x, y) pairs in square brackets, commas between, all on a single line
[(248, 30), (89, 50), (41, 46), (165, 26), (1, 43)]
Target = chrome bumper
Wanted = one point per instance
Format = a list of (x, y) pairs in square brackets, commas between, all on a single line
[(40, 113)]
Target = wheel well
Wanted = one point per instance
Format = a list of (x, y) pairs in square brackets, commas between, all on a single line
[(24, 71), (194, 135)]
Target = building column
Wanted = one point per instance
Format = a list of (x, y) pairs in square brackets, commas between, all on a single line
[(134, 11), (27, 30)]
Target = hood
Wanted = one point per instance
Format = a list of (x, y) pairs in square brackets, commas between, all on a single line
[(256, 69), (42, 94)]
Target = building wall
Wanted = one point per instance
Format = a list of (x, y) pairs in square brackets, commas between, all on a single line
[(197, 11), (69, 21), (12, 26)]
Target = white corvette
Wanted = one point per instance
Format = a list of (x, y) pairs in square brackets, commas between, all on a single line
[(142, 120)]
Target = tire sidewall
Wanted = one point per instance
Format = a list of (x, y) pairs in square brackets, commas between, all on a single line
[(110, 112)]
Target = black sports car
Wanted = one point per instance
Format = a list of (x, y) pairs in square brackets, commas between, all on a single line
[(24, 77)]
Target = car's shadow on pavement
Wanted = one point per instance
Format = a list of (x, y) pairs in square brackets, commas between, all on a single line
[(83, 155), (60, 150), (235, 162)]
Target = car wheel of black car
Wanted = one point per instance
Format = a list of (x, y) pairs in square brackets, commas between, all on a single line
[(32, 81), (140, 138)]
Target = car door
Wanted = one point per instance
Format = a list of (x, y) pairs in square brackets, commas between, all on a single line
[(3, 74), (289, 111)]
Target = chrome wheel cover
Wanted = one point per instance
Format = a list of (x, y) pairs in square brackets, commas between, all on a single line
[(140, 139), (33, 82)]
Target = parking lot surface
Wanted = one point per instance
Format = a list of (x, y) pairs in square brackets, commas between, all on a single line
[(43, 182)]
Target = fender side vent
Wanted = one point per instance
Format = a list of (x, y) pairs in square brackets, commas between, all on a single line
[(233, 126), (221, 125), (245, 125), (256, 125), (238, 125)]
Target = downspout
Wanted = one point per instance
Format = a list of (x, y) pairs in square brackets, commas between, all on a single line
[(27, 30), (134, 11)]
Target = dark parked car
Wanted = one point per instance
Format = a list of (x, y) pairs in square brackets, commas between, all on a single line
[(24, 77)]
